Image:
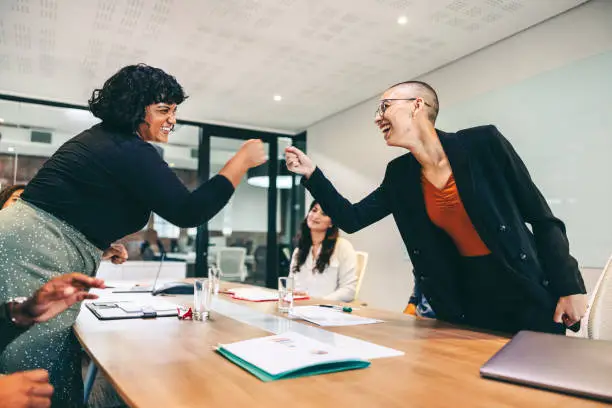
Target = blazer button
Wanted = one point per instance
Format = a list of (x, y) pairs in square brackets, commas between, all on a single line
[(503, 228), (416, 252), (422, 278), (462, 317), (545, 283), (523, 256)]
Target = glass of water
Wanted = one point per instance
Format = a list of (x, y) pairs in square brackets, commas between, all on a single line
[(202, 298), (214, 273), (285, 294)]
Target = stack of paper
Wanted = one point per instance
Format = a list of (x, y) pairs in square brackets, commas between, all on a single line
[(288, 355), (324, 316), (257, 294)]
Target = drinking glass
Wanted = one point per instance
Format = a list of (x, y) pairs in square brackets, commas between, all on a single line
[(202, 298), (285, 294)]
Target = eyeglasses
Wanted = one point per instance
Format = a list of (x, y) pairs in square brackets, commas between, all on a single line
[(384, 104)]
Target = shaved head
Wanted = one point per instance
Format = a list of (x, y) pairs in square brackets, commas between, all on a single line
[(425, 91)]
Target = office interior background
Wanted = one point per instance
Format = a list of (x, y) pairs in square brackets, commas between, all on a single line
[(309, 73)]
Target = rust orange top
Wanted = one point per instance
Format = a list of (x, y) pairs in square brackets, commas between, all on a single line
[(445, 209)]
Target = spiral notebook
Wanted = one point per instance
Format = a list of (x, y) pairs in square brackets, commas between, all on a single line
[(288, 355)]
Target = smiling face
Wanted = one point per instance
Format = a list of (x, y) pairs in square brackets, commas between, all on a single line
[(403, 110), (159, 121), (317, 220)]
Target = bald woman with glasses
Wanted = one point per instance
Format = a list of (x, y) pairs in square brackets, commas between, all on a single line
[(461, 202)]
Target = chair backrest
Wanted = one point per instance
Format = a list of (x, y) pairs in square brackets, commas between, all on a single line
[(362, 263), (260, 268), (600, 314), (231, 262)]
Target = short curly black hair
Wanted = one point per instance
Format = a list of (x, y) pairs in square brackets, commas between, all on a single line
[(121, 102)]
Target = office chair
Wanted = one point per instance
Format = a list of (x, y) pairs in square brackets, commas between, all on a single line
[(599, 320), (362, 263), (260, 263), (231, 262)]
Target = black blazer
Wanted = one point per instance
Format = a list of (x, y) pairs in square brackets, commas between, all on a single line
[(499, 197)]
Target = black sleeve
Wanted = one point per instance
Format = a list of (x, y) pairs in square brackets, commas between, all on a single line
[(549, 232), (348, 217), (146, 176)]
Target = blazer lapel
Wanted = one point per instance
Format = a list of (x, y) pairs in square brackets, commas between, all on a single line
[(411, 192), (466, 181), (460, 164)]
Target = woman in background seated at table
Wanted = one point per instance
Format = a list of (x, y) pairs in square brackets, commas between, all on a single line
[(152, 248), (10, 194), (323, 265)]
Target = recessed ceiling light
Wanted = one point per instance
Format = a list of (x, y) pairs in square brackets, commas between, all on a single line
[(278, 98), (1, 120), (402, 20), (11, 149), (171, 164)]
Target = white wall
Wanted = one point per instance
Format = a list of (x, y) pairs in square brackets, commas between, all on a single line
[(19, 141), (351, 151)]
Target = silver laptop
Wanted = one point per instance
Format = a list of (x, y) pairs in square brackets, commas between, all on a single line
[(566, 364), (143, 288)]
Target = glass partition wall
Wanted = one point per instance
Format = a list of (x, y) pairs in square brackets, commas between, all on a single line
[(257, 227)]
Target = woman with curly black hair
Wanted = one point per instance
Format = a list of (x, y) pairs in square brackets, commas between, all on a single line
[(323, 265), (98, 187)]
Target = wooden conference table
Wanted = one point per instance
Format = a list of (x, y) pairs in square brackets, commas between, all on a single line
[(166, 362)]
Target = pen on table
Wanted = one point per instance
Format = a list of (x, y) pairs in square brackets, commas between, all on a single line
[(341, 308)]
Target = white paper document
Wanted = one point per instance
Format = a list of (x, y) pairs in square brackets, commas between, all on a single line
[(135, 301), (325, 317), (110, 306), (276, 324), (257, 294), (253, 294), (287, 352)]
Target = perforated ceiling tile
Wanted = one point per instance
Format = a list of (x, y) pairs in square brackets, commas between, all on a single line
[(508, 5), (232, 56), (24, 64), (474, 11), (21, 6), (457, 5), (47, 39), (23, 38), (48, 9), (492, 17), (472, 27)]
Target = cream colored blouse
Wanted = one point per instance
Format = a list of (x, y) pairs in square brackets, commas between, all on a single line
[(337, 282)]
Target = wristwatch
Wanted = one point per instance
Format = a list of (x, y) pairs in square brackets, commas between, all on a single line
[(8, 311)]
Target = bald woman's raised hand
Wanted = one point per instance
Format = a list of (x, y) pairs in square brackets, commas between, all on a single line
[(298, 162)]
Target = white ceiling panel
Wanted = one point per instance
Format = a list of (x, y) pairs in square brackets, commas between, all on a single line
[(233, 56)]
